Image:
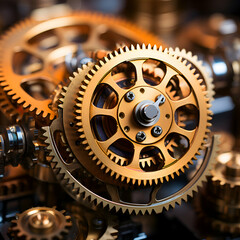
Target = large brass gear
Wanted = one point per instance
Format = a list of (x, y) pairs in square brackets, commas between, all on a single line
[(127, 128), (33, 56)]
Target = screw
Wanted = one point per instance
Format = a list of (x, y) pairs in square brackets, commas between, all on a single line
[(160, 100), (129, 96), (156, 131), (140, 136)]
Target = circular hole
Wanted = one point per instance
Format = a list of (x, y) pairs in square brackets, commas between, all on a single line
[(167, 116), (126, 129), (121, 115), (142, 90)]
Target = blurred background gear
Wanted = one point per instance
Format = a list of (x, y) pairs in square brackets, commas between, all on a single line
[(34, 54), (218, 204)]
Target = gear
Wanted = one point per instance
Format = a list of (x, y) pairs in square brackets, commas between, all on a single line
[(125, 120), (69, 156), (40, 223), (34, 52), (219, 201)]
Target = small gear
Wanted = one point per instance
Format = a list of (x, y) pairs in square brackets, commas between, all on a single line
[(33, 55), (126, 119), (218, 204), (40, 223)]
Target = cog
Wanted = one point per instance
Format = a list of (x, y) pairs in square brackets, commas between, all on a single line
[(33, 55), (111, 197), (41, 223), (120, 129), (201, 70), (218, 204)]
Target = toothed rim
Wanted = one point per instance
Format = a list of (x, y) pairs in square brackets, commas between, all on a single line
[(20, 29), (102, 67), (199, 65), (80, 193)]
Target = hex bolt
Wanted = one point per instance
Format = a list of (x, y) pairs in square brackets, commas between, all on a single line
[(141, 136), (156, 131), (129, 96)]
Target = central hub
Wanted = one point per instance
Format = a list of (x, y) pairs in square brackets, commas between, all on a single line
[(41, 220), (144, 114), (147, 112)]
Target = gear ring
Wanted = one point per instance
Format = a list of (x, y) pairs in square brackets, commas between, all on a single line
[(34, 52), (98, 148)]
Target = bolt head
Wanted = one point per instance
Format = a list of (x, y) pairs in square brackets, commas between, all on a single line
[(141, 136), (156, 131), (129, 96)]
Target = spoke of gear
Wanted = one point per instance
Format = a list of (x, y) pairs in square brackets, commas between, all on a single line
[(41, 223), (33, 55), (127, 117)]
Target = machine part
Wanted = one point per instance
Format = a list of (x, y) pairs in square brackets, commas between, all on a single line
[(41, 223), (216, 42), (66, 123), (23, 144), (70, 159), (93, 225), (219, 201), (73, 62), (34, 56), (106, 121), (200, 69), (87, 188)]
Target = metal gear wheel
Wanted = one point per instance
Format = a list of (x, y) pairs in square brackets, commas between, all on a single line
[(69, 130), (218, 204), (70, 164), (33, 55), (40, 223), (134, 116)]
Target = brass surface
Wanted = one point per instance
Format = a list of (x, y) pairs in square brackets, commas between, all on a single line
[(98, 150)]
